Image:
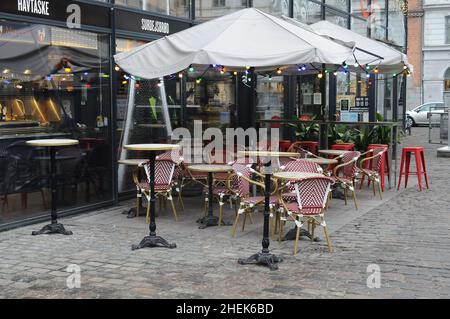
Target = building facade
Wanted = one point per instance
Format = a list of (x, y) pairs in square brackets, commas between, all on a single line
[(58, 79), (436, 50)]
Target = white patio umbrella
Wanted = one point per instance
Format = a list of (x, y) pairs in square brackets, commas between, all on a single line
[(248, 37), (393, 60)]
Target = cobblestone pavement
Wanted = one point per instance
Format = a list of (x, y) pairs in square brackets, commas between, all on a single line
[(406, 235)]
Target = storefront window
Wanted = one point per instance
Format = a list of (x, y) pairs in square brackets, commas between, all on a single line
[(177, 8), (270, 97), (274, 7), (211, 98), (336, 18), (396, 31), (54, 83), (307, 11), (309, 96), (209, 9), (352, 97)]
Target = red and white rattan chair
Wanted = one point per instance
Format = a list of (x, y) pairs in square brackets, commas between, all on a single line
[(164, 183), (373, 174), (345, 174), (311, 198), (176, 156)]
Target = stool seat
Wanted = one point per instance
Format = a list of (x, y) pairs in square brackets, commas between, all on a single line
[(419, 155), (343, 146)]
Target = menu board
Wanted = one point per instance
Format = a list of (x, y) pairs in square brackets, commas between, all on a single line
[(361, 104)]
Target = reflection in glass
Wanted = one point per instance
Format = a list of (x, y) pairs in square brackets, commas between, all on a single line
[(177, 8), (54, 83), (307, 11), (274, 7), (209, 9), (308, 96), (396, 31), (336, 18)]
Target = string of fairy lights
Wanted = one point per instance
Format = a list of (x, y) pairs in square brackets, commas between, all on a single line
[(369, 72)]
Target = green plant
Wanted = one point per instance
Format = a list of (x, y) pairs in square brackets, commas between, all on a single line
[(306, 131), (340, 134)]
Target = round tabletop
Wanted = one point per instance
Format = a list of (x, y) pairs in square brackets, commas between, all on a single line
[(296, 175), (132, 161), (321, 160), (53, 142), (333, 152), (268, 153), (151, 147), (210, 168)]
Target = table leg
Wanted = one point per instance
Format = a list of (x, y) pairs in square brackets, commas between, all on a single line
[(54, 227), (264, 258), (152, 240), (210, 220)]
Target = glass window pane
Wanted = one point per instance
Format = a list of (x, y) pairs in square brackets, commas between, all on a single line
[(54, 84), (308, 92), (396, 32), (359, 26), (336, 18), (178, 8), (339, 4), (274, 7), (307, 11), (447, 29), (206, 10), (270, 102)]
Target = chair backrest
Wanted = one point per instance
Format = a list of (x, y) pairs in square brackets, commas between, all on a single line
[(297, 147), (378, 156), (312, 192), (302, 165), (240, 185), (164, 170), (350, 158)]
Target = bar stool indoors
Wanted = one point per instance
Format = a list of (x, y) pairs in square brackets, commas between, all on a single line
[(420, 165)]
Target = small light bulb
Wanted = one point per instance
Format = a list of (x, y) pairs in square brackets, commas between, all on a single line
[(320, 75), (356, 64), (376, 70), (234, 73), (247, 67), (278, 71), (117, 68), (335, 73), (198, 80), (67, 70), (180, 75), (191, 68)]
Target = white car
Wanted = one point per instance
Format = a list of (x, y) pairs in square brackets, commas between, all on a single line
[(419, 114)]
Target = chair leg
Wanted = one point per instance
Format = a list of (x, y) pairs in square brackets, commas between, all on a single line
[(180, 200), (147, 218), (233, 230), (325, 230), (313, 226), (418, 169), (380, 190), (408, 161), (345, 195), (220, 212), (245, 219), (373, 188), (169, 198), (206, 206), (422, 155), (401, 172), (297, 235), (354, 196)]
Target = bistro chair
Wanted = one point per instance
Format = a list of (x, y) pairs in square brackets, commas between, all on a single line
[(247, 202), (311, 197), (164, 183), (176, 156), (373, 171), (298, 147), (345, 174)]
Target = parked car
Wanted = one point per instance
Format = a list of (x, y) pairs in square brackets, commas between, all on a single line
[(419, 114)]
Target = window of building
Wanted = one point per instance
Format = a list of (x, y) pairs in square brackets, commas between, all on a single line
[(178, 8), (447, 29), (219, 3), (307, 11), (276, 8), (447, 80)]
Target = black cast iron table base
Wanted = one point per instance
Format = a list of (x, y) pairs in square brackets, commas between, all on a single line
[(153, 241), (54, 228), (263, 259), (209, 221), (290, 235)]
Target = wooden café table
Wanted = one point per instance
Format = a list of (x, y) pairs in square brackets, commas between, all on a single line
[(133, 162), (264, 257), (52, 144), (323, 162), (333, 152), (152, 240), (210, 219)]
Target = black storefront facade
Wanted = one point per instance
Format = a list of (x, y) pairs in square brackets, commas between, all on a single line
[(58, 79)]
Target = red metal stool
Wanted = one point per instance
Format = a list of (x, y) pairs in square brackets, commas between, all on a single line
[(420, 164), (343, 146), (311, 146), (385, 160)]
